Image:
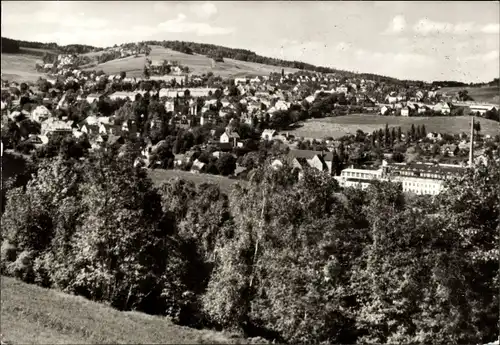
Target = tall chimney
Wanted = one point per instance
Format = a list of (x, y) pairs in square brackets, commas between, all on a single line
[(471, 144)]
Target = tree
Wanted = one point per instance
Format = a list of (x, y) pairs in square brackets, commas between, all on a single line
[(226, 164), (387, 135), (336, 164), (413, 133)]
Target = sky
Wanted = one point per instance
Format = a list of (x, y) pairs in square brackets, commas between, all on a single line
[(433, 40)]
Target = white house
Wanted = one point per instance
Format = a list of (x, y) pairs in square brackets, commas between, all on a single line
[(268, 134), (229, 137), (405, 111), (442, 107), (384, 110), (40, 113), (169, 106)]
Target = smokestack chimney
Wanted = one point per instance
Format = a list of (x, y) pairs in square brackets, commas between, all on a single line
[(471, 144)]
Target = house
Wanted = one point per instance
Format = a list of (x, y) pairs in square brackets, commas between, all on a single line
[(105, 128), (434, 136), (442, 108), (123, 95), (56, 126), (422, 109), (40, 113), (229, 137), (90, 129), (385, 110), (197, 166), (169, 106), (405, 111), (321, 161), (93, 97), (450, 150), (268, 134)]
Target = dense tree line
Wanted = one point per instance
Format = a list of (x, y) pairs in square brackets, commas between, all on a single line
[(247, 55), (9, 45), (296, 260), (68, 49)]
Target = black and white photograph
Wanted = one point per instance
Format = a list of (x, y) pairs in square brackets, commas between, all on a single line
[(250, 172)]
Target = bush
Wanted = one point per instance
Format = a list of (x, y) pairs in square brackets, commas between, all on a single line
[(22, 268)]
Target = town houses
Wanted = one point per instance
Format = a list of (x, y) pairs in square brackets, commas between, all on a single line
[(263, 104)]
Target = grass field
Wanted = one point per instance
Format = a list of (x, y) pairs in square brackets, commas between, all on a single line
[(133, 66), (33, 315), (488, 94), (198, 64), (160, 175), (342, 125), (21, 67)]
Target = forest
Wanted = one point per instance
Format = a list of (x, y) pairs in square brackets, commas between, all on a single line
[(296, 260)]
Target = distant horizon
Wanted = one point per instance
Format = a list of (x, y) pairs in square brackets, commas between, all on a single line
[(421, 41)]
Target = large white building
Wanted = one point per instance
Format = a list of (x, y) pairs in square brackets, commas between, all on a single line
[(419, 178), (358, 178)]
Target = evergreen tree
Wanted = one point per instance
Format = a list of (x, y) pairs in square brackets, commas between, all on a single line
[(342, 155), (336, 164), (413, 133), (393, 136), (386, 135), (380, 137), (424, 131), (400, 135)]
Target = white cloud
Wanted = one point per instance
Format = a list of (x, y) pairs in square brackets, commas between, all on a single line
[(182, 25), (55, 17), (397, 25), (493, 28), (205, 10), (425, 26), (343, 46), (486, 57)]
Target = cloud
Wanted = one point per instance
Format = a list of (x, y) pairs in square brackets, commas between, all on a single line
[(343, 46), (425, 26), (486, 57), (204, 11), (182, 25), (493, 28), (397, 25), (55, 17)]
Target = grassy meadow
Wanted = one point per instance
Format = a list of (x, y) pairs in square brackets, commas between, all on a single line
[(33, 315), (198, 64), (160, 175), (21, 67), (342, 125), (487, 94)]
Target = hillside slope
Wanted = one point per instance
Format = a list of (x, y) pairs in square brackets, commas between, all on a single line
[(20, 66), (341, 125), (198, 64), (487, 94), (33, 315)]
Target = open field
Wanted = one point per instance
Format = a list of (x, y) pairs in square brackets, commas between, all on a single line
[(487, 94), (198, 64), (133, 66), (160, 175), (21, 67), (342, 125), (33, 315)]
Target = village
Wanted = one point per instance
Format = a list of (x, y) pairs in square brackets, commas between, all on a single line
[(236, 114)]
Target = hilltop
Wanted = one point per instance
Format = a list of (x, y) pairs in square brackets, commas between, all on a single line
[(197, 56)]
